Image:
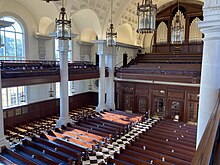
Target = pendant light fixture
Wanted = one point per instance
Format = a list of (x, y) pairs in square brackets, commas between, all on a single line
[(51, 90), (90, 85), (22, 96), (111, 35), (146, 16), (177, 28), (63, 25)]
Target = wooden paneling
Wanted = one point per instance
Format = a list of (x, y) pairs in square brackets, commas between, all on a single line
[(176, 94), (184, 48), (150, 91), (34, 111)]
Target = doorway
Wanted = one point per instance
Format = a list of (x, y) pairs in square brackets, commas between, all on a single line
[(159, 107), (128, 102)]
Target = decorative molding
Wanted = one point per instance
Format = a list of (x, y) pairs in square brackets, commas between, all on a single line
[(41, 44), (85, 50)]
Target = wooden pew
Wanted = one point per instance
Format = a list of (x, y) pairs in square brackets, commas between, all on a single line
[(174, 131), (178, 141), (157, 155), (19, 157), (118, 162), (93, 123), (167, 145), (90, 130), (37, 155), (96, 120), (71, 145), (70, 130), (162, 135), (143, 157), (51, 144), (96, 128), (163, 151), (4, 160), (48, 151), (130, 159), (64, 136)]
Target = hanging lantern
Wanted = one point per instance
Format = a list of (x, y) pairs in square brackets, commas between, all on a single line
[(111, 35), (73, 89), (22, 96), (146, 16), (177, 29), (90, 86), (51, 91), (63, 26)]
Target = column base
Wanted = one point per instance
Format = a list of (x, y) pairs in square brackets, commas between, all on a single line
[(110, 107), (4, 143), (63, 121), (101, 108)]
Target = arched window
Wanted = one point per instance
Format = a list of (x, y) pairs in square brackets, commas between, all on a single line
[(12, 48), (12, 40)]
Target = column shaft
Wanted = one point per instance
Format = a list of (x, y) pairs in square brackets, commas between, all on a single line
[(64, 98), (111, 60), (210, 80), (101, 99)]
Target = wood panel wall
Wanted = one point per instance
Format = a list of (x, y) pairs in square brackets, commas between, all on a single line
[(26, 113), (172, 93)]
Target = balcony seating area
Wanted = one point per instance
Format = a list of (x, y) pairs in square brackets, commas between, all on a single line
[(169, 58), (24, 68), (163, 67)]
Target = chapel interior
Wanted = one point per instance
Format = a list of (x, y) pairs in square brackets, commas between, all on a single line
[(109, 82)]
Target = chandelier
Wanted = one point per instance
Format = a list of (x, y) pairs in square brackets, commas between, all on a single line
[(111, 35), (63, 25), (146, 16), (177, 28)]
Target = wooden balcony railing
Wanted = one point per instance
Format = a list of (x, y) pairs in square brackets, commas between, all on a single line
[(204, 153)]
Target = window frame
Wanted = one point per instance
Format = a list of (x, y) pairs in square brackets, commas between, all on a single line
[(16, 95)]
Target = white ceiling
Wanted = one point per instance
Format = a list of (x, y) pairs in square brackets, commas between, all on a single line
[(124, 11)]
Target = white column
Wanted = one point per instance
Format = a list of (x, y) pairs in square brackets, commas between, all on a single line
[(101, 94), (210, 79), (64, 98), (111, 62), (3, 141)]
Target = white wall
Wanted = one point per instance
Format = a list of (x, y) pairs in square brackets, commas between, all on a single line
[(132, 53), (38, 93), (33, 16)]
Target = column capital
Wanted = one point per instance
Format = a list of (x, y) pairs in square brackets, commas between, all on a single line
[(211, 12), (210, 28), (211, 3)]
